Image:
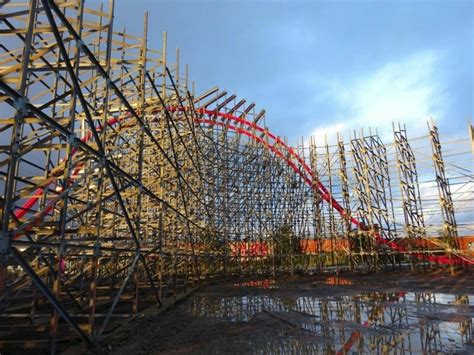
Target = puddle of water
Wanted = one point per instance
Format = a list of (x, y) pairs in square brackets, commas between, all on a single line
[(388, 323), (265, 284), (332, 280)]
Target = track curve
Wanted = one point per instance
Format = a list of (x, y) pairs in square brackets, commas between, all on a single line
[(274, 144)]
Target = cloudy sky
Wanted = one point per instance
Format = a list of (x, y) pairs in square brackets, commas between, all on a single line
[(325, 66)]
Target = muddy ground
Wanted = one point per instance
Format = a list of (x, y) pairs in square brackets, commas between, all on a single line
[(417, 312)]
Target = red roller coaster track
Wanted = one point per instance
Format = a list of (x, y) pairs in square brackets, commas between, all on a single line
[(274, 144)]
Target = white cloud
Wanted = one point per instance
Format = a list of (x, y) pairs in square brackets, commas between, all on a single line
[(404, 91), (329, 132), (462, 195)]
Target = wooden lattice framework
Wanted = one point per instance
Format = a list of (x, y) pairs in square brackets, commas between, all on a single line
[(123, 188)]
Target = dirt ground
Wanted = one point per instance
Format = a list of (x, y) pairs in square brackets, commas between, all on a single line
[(280, 316)]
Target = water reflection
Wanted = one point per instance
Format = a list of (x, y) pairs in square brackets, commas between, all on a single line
[(265, 283), (335, 280), (381, 323)]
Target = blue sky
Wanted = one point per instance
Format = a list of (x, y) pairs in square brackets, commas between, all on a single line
[(325, 66)]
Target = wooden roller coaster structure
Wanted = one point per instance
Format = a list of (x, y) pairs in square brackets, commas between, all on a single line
[(123, 189)]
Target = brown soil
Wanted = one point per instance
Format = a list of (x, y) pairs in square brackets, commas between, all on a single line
[(178, 331)]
